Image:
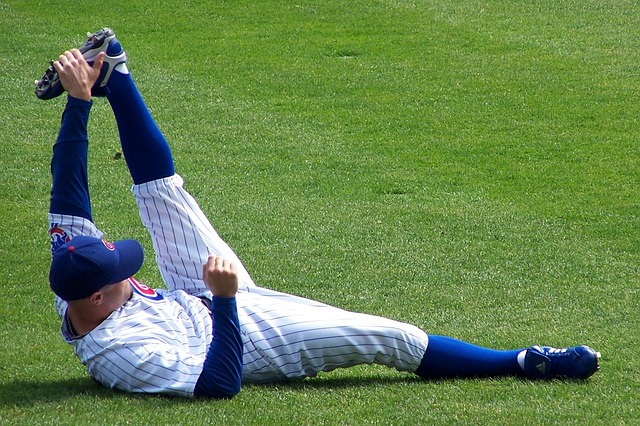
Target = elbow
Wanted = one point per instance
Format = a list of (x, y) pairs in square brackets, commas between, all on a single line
[(220, 391), (227, 392), (232, 391)]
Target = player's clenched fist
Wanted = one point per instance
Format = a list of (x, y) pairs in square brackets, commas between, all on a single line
[(220, 276)]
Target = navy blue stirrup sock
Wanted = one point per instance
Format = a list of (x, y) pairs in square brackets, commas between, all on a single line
[(70, 187), (446, 357), (145, 149)]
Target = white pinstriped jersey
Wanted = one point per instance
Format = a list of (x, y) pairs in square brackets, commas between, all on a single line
[(158, 340)]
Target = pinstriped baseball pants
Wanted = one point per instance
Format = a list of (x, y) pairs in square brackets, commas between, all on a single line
[(284, 336)]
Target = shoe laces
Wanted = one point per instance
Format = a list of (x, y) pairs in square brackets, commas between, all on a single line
[(562, 359)]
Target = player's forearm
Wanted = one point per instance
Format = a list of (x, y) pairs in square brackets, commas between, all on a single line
[(222, 373), (69, 187), (74, 120)]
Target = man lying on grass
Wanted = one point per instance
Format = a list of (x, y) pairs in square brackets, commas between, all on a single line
[(214, 328)]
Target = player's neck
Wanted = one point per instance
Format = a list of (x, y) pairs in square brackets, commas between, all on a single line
[(84, 320), (86, 314)]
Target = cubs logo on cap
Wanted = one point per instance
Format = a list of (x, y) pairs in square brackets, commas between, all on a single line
[(85, 264)]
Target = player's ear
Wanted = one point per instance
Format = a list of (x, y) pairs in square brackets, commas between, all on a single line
[(96, 298)]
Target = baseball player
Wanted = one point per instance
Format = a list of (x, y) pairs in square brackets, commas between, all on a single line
[(213, 328)]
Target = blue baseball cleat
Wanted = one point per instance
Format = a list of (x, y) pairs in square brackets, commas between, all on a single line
[(103, 40), (578, 362)]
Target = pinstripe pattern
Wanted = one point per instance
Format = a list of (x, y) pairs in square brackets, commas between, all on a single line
[(159, 346), (182, 236), (291, 337), (151, 346), (288, 336)]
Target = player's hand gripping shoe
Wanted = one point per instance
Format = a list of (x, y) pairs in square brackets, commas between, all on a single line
[(578, 362), (103, 40)]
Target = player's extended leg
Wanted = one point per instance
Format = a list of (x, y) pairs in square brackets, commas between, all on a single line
[(293, 337), (182, 236), (289, 337), (447, 357)]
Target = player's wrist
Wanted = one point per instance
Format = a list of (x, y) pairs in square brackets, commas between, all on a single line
[(224, 299), (75, 98), (81, 94)]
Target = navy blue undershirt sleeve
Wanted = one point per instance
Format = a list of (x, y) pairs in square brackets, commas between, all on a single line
[(221, 376), (70, 187)]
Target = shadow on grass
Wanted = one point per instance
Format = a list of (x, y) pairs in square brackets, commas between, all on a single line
[(22, 393), (328, 382), (28, 392)]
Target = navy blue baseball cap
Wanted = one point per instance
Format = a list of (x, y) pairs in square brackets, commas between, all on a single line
[(85, 264)]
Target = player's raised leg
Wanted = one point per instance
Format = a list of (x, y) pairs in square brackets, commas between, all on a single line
[(182, 235), (145, 148)]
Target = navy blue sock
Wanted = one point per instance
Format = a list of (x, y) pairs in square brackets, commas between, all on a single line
[(70, 187), (145, 149), (446, 357)]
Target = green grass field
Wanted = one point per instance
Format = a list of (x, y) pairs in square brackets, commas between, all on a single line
[(471, 167)]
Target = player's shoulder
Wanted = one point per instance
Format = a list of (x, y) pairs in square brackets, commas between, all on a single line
[(144, 291), (61, 307)]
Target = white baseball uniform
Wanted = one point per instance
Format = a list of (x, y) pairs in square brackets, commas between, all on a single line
[(158, 340)]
